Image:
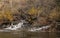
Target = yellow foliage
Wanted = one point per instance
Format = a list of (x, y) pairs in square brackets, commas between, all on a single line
[(32, 11), (35, 11), (1, 16), (6, 15), (54, 14)]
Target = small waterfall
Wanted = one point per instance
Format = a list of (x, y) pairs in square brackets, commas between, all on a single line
[(20, 24), (39, 29), (15, 27)]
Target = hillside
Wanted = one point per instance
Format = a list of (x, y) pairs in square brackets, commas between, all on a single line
[(35, 12)]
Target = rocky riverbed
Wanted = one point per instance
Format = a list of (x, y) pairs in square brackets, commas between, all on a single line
[(29, 18)]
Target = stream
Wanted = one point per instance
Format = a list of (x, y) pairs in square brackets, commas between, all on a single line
[(16, 31)]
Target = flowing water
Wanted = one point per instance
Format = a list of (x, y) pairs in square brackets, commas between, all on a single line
[(16, 31)]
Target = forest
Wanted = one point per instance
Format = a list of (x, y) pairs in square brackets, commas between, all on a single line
[(36, 13)]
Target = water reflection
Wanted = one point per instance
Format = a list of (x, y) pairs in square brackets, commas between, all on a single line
[(26, 34), (14, 33)]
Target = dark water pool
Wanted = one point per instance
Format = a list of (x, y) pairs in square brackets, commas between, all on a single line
[(25, 34)]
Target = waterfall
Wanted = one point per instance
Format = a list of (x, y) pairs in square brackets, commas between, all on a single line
[(20, 24), (39, 29), (15, 27)]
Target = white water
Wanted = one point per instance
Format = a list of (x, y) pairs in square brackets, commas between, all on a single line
[(15, 27), (19, 26), (39, 29)]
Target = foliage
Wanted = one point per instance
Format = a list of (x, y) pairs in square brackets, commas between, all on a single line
[(54, 14), (6, 15), (32, 11)]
